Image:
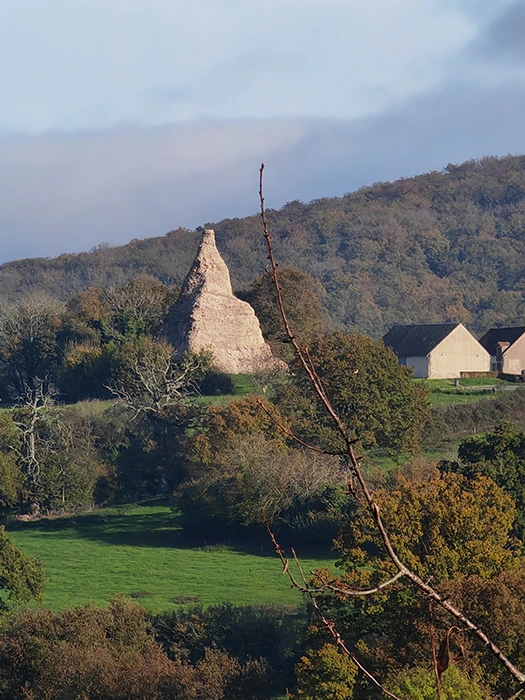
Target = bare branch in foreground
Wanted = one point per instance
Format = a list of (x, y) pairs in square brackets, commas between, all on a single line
[(292, 435), (349, 591), (310, 593), (355, 466), (516, 695)]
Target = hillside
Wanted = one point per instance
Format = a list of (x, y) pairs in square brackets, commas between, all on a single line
[(443, 246)]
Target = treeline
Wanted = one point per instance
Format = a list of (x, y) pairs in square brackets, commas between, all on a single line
[(444, 246), (121, 653), (155, 437)]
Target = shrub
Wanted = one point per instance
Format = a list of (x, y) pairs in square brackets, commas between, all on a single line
[(420, 684), (325, 674)]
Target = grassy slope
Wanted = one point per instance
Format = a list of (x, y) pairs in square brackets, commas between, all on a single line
[(444, 392), (142, 549)]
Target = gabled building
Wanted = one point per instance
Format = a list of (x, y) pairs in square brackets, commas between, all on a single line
[(437, 350), (506, 347)]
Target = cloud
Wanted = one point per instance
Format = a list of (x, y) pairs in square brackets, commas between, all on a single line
[(504, 37), (162, 111), (98, 64), (69, 192)]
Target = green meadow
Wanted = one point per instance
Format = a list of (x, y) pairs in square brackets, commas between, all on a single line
[(243, 384), (445, 392), (143, 552)]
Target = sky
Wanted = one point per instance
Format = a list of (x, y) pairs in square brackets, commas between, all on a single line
[(124, 119)]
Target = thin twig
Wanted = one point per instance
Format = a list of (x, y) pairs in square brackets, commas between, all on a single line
[(297, 439), (329, 624), (329, 586)]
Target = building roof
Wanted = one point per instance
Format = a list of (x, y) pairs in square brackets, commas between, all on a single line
[(417, 339), (500, 335)]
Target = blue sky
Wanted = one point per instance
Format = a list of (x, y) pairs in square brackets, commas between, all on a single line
[(122, 119)]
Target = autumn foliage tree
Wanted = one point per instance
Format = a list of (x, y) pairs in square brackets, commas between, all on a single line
[(241, 462), (419, 684), (404, 567), (103, 653), (500, 455), (444, 527), (449, 530), (325, 674), (498, 605)]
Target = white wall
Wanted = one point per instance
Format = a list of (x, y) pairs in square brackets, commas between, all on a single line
[(514, 357), (419, 365), (458, 352)]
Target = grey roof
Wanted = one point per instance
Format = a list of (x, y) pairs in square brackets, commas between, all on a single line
[(500, 335), (417, 339)]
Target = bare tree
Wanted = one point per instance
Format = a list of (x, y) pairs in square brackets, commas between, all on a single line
[(26, 419), (29, 356), (29, 347), (150, 381), (360, 490), (143, 303)]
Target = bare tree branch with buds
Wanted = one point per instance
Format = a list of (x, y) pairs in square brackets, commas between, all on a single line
[(359, 488)]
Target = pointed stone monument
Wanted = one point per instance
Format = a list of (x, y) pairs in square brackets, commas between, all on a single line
[(207, 316)]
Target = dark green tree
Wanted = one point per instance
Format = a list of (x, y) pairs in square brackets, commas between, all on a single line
[(303, 299), (12, 477), (21, 576), (70, 467), (156, 395), (377, 399)]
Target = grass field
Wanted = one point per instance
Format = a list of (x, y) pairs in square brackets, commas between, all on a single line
[(243, 384), (444, 391), (142, 551), (445, 399)]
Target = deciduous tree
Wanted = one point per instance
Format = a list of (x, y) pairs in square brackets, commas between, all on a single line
[(359, 488), (444, 527), (500, 455), (325, 674), (377, 400), (29, 345), (138, 307)]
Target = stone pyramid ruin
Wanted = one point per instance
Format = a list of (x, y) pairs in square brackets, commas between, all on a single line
[(207, 316)]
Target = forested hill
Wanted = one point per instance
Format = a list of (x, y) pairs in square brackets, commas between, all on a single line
[(444, 246)]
